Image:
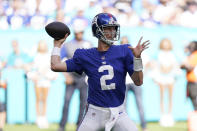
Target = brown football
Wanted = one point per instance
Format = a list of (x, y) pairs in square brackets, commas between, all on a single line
[(57, 30)]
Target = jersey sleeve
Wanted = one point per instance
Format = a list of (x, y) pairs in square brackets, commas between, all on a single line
[(75, 64), (129, 60)]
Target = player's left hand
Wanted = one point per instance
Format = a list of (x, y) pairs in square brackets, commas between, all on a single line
[(139, 48)]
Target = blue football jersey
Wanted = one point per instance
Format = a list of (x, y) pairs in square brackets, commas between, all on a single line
[(106, 73)]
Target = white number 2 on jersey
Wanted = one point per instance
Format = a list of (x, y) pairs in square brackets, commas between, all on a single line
[(108, 76)]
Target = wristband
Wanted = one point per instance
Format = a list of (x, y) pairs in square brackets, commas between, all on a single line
[(56, 51), (137, 62)]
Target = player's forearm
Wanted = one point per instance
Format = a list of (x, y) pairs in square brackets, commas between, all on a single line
[(137, 78), (57, 65)]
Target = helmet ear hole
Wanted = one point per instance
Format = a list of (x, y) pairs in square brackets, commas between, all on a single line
[(97, 32)]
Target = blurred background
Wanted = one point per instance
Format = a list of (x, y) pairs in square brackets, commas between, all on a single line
[(22, 31)]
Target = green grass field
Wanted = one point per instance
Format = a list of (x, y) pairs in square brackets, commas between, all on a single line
[(152, 126)]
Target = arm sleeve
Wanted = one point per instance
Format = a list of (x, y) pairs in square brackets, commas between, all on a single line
[(75, 64), (128, 60)]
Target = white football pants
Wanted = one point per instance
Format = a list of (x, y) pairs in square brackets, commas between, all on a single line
[(97, 118)]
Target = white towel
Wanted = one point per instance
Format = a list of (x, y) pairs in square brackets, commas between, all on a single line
[(113, 117)]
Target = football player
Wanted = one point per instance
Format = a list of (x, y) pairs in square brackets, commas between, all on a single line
[(106, 67)]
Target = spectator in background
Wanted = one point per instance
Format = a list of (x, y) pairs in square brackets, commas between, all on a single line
[(45, 7), (110, 9), (128, 18), (147, 19), (3, 18), (164, 12), (40, 12), (42, 76), (16, 14), (189, 17), (153, 14), (2, 105), (164, 76), (59, 4), (93, 8), (17, 59), (123, 4), (137, 90), (38, 20), (2, 109), (73, 80), (189, 65), (80, 19), (3, 22), (62, 17), (72, 7)]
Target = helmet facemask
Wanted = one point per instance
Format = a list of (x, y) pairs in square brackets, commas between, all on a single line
[(115, 34)]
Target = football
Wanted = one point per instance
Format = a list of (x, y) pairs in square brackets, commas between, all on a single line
[(57, 30)]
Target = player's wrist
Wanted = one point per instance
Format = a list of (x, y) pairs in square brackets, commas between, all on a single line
[(57, 43), (137, 64), (56, 51)]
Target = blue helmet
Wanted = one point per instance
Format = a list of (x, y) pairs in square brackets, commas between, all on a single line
[(105, 20)]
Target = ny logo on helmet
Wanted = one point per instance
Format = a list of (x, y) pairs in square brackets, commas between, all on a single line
[(112, 21)]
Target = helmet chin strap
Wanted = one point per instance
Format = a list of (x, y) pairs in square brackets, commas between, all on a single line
[(108, 43)]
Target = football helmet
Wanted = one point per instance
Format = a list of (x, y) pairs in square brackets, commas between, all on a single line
[(104, 20)]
